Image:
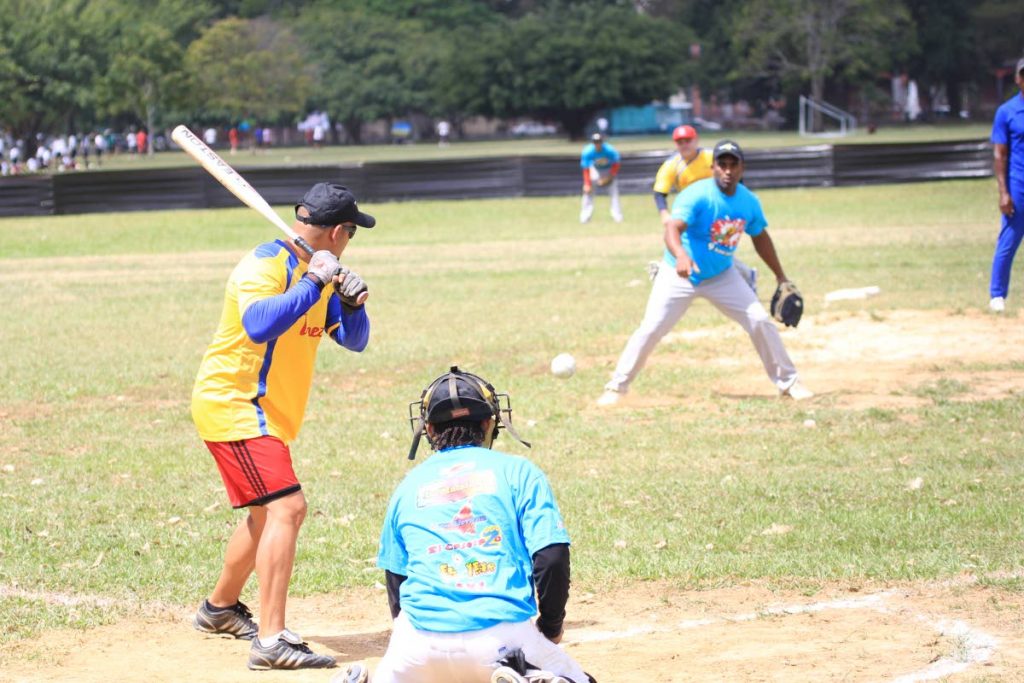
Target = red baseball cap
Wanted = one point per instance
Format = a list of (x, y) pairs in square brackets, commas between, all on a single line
[(684, 133)]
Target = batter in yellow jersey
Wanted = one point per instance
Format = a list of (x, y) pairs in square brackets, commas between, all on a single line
[(252, 383), (249, 400)]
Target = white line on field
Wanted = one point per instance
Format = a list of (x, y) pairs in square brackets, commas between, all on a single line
[(972, 646)]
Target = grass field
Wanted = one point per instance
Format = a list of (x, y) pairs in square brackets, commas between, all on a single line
[(105, 489), (351, 154)]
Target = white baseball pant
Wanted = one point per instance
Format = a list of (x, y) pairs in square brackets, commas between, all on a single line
[(587, 208), (415, 656), (672, 295)]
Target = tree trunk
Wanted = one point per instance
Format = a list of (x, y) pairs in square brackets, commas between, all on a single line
[(149, 93), (353, 127)]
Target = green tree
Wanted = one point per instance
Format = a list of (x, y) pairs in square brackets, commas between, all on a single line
[(947, 54), (569, 61), (49, 56), (145, 44), (381, 69), (248, 67), (813, 41), (998, 36)]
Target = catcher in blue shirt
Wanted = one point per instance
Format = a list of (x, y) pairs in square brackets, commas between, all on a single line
[(469, 537)]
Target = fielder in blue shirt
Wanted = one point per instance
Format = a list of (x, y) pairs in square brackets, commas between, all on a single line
[(600, 163), (473, 546), (709, 218), (1008, 168)]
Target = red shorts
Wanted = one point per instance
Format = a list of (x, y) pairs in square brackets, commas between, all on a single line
[(255, 471)]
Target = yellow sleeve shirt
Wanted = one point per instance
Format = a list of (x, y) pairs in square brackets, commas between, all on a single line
[(246, 389), (675, 175)]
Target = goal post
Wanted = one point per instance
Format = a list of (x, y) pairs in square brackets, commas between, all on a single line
[(821, 119)]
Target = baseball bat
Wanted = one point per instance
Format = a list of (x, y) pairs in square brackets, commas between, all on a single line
[(193, 145)]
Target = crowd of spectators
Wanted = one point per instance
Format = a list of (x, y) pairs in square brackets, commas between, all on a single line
[(75, 151)]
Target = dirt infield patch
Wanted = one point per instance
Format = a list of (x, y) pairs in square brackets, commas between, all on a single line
[(859, 360), (958, 631)]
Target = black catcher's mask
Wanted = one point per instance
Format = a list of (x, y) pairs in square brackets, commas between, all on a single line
[(458, 395)]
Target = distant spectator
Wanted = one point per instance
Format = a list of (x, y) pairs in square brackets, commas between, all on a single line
[(141, 140), (233, 139), (210, 136), (268, 137), (100, 141), (444, 129), (319, 133), (131, 142), (32, 165), (85, 145), (257, 137)]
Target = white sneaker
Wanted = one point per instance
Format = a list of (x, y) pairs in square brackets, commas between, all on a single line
[(997, 304), (354, 673), (506, 674), (609, 398), (617, 217), (797, 392)]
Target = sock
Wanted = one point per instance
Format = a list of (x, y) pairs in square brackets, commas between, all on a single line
[(213, 608), (267, 642)]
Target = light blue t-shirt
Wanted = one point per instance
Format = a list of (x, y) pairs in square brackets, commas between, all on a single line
[(715, 222), (600, 160), (1008, 129), (463, 527)]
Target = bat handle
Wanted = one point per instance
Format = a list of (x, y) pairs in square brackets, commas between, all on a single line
[(361, 299), (303, 244)]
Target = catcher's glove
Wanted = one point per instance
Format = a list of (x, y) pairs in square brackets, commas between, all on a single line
[(787, 304)]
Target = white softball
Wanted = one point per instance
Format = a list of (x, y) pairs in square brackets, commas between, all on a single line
[(563, 366)]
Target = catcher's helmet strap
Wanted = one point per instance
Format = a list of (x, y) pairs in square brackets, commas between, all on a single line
[(416, 436), (512, 430)]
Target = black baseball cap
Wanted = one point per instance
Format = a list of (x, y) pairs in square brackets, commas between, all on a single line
[(331, 204), (727, 148)]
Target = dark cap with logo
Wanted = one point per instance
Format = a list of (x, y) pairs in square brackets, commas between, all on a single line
[(727, 148), (597, 137), (332, 204)]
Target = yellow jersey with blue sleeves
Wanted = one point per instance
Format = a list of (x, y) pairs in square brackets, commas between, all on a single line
[(255, 377), (675, 175)]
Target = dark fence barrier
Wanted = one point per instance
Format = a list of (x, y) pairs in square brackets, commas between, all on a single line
[(535, 176)]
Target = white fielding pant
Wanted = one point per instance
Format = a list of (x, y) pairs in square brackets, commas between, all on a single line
[(587, 208), (415, 656), (672, 295)]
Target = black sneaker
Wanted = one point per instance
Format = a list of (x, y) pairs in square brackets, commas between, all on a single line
[(233, 621), (289, 652)]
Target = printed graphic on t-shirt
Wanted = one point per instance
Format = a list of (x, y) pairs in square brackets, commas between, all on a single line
[(461, 572), (725, 235), (456, 488), (466, 523)]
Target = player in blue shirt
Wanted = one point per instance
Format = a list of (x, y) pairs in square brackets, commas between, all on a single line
[(470, 536), (600, 163), (1008, 168), (708, 220)]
